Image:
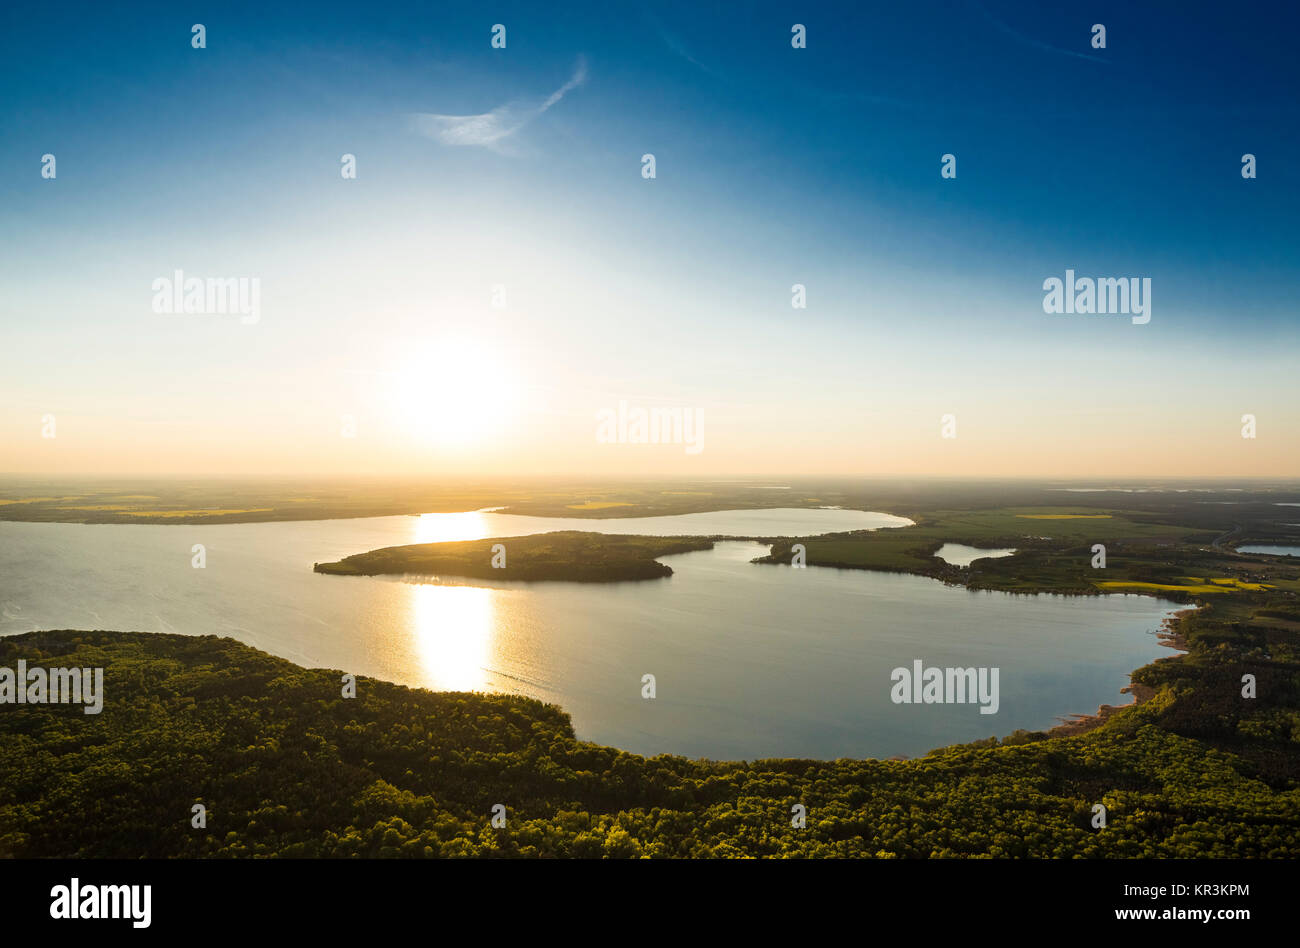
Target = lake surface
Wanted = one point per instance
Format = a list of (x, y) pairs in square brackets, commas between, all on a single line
[(958, 554), (750, 660), (1271, 550)]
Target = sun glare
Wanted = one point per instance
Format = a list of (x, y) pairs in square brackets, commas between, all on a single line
[(453, 395), (453, 632)]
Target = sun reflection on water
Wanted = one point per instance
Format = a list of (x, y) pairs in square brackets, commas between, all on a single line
[(445, 527), (454, 634)]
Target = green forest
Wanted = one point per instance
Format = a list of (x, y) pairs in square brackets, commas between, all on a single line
[(286, 766), (570, 555)]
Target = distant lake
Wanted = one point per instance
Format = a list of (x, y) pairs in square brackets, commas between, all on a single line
[(1271, 550), (750, 660), (959, 554)]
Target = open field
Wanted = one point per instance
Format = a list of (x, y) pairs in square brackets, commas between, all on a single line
[(983, 507), (1176, 545), (234, 501)]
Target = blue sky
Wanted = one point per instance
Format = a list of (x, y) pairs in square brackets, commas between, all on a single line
[(774, 166)]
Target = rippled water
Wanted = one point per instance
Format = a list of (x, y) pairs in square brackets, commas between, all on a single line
[(750, 660)]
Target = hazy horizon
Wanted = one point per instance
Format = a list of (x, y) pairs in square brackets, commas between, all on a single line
[(499, 271), (669, 431), (1116, 481)]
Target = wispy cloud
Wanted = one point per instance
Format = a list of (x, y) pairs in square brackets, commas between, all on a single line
[(493, 130), (678, 47), (1030, 41)]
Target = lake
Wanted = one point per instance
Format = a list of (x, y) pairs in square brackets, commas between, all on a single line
[(1270, 550), (750, 660), (959, 554)]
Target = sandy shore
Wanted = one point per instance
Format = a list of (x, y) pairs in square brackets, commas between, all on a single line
[(1168, 636)]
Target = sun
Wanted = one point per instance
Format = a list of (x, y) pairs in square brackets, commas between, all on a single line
[(453, 394)]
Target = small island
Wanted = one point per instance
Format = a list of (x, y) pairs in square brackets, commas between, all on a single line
[(570, 555)]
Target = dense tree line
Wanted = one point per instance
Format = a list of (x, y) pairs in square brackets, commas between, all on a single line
[(569, 555), (286, 766)]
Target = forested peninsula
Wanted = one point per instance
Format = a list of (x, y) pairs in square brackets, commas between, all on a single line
[(570, 555)]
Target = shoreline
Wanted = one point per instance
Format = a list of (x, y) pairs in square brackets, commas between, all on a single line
[(1075, 724), (1072, 725)]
